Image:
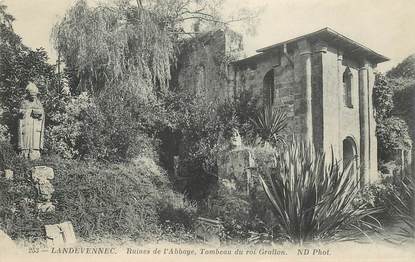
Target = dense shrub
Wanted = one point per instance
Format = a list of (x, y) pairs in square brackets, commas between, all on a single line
[(392, 194), (113, 199), (392, 134), (64, 126), (393, 114), (129, 199), (109, 127), (242, 214), (123, 125), (18, 215), (177, 211)]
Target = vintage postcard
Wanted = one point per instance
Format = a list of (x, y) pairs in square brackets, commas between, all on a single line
[(208, 130)]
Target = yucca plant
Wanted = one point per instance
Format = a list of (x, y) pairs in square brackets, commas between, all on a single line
[(269, 123), (402, 204), (314, 200)]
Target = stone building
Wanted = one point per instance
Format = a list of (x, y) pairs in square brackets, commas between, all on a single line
[(323, 80)]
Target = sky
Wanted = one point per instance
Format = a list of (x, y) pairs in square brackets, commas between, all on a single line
[(385, 26)]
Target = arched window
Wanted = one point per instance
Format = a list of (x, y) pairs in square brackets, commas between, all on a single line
[(350, 157), (347, 87), (269, 88)]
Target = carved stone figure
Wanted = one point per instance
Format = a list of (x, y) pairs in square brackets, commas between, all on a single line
[(31, 124), (236, 140), (235, 164)]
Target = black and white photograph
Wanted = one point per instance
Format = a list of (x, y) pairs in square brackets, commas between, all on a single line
[(209, 130)]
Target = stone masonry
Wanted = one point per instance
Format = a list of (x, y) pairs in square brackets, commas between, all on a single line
[(323, 80), (42, 177)]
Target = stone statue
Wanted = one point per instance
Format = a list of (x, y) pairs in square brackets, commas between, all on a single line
[(31, 125), (236, 140)]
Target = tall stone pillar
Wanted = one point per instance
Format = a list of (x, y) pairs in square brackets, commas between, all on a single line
[(373, 142), (340, 101), (305, 53), (364, 123)]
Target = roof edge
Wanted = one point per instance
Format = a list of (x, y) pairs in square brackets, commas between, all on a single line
[(378, 57)]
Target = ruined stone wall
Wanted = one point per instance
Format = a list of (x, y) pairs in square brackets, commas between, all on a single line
[(290, 93), (203, 64), (249, 76), (288, 82)]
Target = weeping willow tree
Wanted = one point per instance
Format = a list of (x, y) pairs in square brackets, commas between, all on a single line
[(105, 45), (129, 41)]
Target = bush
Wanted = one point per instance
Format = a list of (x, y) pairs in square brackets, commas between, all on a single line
[(111, 199), (18, 215), (64, 127), (392, 134), (393, 195), (177, 212), (129, 199), (240, 213), (312, 200), (108, 127), (402, 202)]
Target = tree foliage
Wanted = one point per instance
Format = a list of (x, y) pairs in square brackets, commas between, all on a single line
[(392, 130), (18, 65), (405, 69), (122, 54), (108, 44), (382, 97), (392, 134)]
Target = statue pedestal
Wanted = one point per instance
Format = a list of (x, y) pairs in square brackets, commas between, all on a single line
[(31, 154), (42, 176), (234, 169)]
